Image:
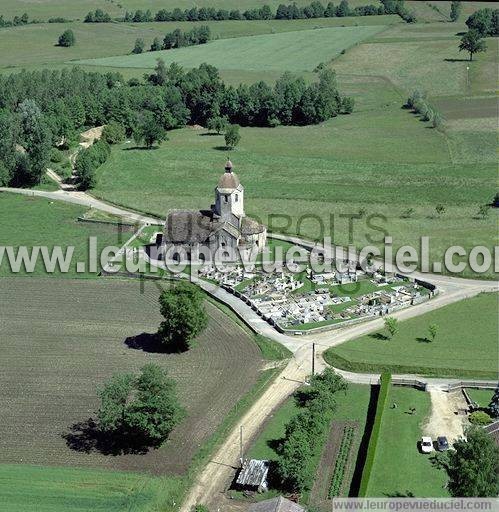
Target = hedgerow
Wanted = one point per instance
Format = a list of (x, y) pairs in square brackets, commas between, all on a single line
[(373, 442)]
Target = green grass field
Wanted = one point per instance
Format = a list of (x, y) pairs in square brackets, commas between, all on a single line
[(399, 468), (465, 345), (29, 221), (44, 489), (288, 51), (482, 397)]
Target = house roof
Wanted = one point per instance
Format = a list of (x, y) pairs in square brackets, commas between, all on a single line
[(278, 504)]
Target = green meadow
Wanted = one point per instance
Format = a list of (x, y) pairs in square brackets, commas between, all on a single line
[(289, 51), (465, 344), (312, 176), (34, 46), (46, 489), (29, 221)]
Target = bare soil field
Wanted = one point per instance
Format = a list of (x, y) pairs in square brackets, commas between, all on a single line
[(61, 339)]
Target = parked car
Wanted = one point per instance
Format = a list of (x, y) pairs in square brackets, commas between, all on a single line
[(426, 444), (442, 444)]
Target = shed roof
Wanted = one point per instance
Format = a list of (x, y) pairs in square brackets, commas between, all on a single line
[(278, 504), (253, 473)]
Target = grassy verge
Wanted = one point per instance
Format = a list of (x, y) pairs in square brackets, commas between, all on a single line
[(373, 442)]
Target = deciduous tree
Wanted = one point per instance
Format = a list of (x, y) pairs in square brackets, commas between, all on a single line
[(473, 466), (232, 136), (182, 307), (472, 43)]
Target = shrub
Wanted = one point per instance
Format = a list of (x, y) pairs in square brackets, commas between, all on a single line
[(347, 104), (232, 135), (479, 418), (373, 442), (113, 133), (56, 156), (139, 46), (67, 39)]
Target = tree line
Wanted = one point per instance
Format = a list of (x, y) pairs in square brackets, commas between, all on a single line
[(315, 9), (176, 39), (40, 110)]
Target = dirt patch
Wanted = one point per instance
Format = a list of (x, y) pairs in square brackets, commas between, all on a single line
[(90, 136), (444, 420), (61, 339)]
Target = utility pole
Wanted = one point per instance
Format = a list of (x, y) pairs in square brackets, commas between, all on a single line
[(241, 445), (313, 359)]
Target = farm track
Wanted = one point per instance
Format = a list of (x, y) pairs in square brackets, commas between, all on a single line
[(62, 338)]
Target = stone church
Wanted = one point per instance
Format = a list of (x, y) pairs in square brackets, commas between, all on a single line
[(224, 226)]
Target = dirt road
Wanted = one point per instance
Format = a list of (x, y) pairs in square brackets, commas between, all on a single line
[(217, 474)]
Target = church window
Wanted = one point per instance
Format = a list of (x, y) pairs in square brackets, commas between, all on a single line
[(226, 199), (237, 198)]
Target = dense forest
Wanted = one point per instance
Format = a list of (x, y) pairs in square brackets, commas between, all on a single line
[(40, 110)]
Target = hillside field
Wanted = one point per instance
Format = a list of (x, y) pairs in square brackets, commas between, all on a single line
[(289, 51), (465, 345)]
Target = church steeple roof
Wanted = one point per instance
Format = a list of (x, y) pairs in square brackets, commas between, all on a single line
[(229, 180)]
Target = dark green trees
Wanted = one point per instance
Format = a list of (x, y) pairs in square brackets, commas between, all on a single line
[(67, 39), (145, 407), (455, 10), (473, 466), (148, 131), (182, 307), (306, 431), (485, 22)]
